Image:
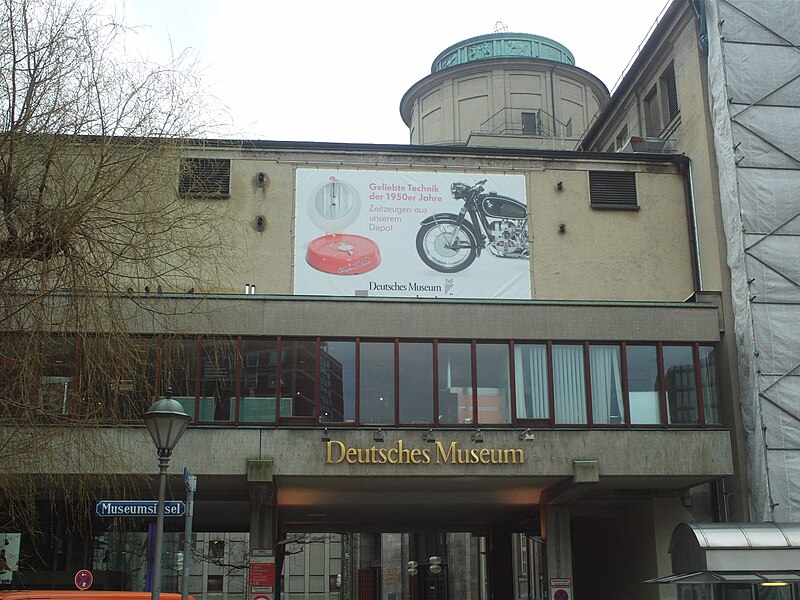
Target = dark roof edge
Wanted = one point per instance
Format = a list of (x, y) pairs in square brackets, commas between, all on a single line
[(477, 151), (646, 53)]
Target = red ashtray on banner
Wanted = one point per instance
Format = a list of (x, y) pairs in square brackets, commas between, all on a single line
[(343, 254)]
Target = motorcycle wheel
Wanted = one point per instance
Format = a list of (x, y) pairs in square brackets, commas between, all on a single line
[(435, 243)]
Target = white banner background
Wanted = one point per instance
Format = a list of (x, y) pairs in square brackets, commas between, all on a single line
[(392, 206)]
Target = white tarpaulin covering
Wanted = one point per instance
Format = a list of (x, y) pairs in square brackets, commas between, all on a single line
[(754, 80)]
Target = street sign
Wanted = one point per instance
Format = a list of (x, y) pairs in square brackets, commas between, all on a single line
[(262, 572), (83, 579), (139, 508)]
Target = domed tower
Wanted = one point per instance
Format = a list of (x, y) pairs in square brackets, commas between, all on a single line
[(503, 89)]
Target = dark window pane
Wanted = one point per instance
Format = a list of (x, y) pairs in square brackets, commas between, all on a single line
[(118, 376), (259, 381), (17, 377), (416, 382), (494, 395), (337, 382), (376, 390), (530, 373), (680, 384), (137, 379), (606, 375), (643, 386), (569, 384), (178, 367), (708, 376), (455, 383), (218, 381), (298, 378), (56, 384)]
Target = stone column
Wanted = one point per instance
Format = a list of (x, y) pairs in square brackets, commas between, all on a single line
[(557, 540), (263, 523)]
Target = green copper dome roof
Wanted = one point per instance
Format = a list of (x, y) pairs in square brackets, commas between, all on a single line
[(502, 45)]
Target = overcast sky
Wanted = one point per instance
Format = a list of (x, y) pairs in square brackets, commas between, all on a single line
[(335, 70)]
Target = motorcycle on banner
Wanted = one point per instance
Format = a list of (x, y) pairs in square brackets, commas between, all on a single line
[(449, 243)]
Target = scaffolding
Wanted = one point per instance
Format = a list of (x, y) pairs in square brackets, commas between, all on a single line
[(754, 81)]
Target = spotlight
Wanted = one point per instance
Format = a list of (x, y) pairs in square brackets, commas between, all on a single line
[(378, 437), (326, 437), (477, 436), (429, 437), (526, 435)]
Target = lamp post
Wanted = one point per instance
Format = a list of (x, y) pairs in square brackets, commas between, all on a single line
[(166, 421)]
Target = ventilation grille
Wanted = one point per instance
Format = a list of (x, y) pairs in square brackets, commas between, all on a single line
[(612, 188), (205, 178)]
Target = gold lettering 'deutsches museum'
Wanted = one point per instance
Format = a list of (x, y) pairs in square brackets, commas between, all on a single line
[(337, 452)]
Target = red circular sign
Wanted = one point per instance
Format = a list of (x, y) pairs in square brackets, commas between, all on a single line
[(83, 579), (561, 595)]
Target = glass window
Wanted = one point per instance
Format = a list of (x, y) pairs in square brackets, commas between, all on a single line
[(218, 381), (681, 388), (643, 385), (569, 384), (178, 368), (17, 379), (376, 382), (56, 384), (708, 378), (606, 376), (455, 383), (416, 382), (337, 382), (494, 395), (101, 359), (135, 378), (298, 378), (530, 374), (259, 381)]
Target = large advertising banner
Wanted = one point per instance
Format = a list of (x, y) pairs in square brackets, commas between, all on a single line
[(411, 234)]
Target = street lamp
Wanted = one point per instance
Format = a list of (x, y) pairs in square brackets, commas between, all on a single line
[(166, 421)]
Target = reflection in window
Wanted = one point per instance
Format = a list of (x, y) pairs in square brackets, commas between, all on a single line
[(178, 368), (416, 382), (56, 381), (298, 378), (259, 381), (643, 386), (218, 380), (606, 376), (708, 376), (680, 385), (135, 379), (530, 372), (455, 383), (494, 395), (376, 384), (17, 378), (569, 386), (337, 382)]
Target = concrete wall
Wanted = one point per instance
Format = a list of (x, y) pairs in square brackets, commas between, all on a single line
[(691, 134), (604, 254), (632, 455)]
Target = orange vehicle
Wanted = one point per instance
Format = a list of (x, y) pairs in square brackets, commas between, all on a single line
[(83, 595)]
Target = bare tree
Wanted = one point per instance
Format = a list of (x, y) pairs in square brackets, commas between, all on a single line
[(91, 142)]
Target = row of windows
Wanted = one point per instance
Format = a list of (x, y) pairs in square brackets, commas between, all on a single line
[(289, 381)]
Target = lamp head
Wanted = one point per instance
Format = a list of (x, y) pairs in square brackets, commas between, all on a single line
[(166, 421)]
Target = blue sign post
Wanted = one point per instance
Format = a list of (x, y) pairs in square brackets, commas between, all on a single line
[(139, 508)]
